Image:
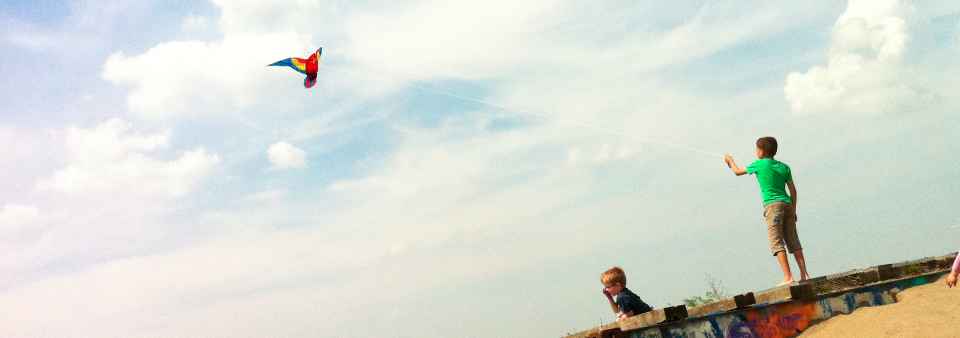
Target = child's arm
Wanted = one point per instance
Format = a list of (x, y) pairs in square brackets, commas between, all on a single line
[(952, 278), (613, 304), (736, 170), (956, 264)]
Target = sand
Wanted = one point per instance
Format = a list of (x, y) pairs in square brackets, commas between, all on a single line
[(931, 310)]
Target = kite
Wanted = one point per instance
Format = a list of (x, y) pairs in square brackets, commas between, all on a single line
[(306, 66)]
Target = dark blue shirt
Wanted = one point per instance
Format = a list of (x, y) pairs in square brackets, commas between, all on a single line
[(628, 301)]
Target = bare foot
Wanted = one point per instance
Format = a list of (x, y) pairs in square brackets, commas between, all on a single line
[(804, 277), (785, 282)]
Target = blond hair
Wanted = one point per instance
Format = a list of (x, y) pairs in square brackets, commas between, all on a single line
[(613, 276)]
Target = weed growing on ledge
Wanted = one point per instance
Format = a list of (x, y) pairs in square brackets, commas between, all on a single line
[(717, 292)]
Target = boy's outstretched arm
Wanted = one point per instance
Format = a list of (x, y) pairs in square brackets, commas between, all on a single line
[(736, 170)]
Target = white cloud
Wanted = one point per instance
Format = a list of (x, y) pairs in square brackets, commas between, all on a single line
[(864, 72), (16, 217), (477, 39), (194, 22), (574, 157), (447, 210), (28, 38), (191, 79), (258, 17), (109, 158), (285, 155), (604, 153), (623, 152), (430, 215), (15, 145), (178, 78)]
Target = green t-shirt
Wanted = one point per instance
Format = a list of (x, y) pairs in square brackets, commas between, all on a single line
[(773, 176)]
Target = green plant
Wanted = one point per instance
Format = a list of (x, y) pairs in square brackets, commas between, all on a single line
[(717, 292), (913, 269), (822, 289)]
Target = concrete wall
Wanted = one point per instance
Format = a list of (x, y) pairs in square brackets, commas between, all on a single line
[(780, 312), (782, 319)]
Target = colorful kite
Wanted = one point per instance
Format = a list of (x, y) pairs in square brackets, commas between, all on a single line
[(306, 66)]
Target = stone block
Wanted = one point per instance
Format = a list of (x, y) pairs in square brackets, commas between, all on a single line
[(658, 316), (744, 300), (943, 263), (676, 313), (886, 272), (946, 262), (869, 277), (615, 332), (931, 265)]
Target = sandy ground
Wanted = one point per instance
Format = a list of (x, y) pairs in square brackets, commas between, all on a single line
[(931, 310)]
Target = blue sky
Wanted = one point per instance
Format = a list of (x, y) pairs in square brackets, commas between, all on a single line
[(160, 181)]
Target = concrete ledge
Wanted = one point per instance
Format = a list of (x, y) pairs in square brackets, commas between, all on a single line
[(843, 281), (916, 267), (886, 272), (590, 332), (658, 316), (784, 293), (946, 262), (869, 276), (608, 333), (726, 304), (783, 319), (825, 296)]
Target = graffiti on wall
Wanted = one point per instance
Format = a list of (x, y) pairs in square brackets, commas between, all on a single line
[(778, 320)]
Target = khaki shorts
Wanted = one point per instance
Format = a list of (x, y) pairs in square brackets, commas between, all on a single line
[(781, 226)]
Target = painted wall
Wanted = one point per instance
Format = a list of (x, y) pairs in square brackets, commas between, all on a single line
[(780, 320)]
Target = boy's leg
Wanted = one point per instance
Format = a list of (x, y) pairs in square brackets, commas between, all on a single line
[(798, 254), (785, 265), (774, 213), (792, 240)]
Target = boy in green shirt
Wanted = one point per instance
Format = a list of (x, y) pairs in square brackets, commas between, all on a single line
[(778, 207)]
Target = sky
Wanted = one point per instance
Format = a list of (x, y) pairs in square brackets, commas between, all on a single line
[(461, 168)]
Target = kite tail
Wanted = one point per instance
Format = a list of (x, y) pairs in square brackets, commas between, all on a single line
[(292, 63)]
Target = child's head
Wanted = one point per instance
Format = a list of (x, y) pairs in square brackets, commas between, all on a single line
[(614, 280), (766, 147)]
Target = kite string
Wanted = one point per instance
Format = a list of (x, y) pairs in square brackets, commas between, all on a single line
[(523, 111)]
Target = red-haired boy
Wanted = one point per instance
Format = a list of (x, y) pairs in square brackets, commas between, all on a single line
[(627, 304)]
